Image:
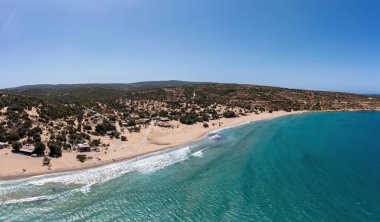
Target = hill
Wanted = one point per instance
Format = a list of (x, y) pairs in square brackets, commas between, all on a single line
[(61, 116)]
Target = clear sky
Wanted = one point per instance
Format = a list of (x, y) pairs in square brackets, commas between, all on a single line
[(312, 44)]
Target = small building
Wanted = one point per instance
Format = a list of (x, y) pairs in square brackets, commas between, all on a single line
[(82, 147), (27, 149), (164, 124), (161, 119), (143, 121), (164, 119), (133, 129), (3, 145)]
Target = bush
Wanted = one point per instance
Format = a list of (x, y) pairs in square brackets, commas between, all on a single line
[(55, 149), (188, 119), (229, 114), (82, 157), (123, 138), (13, 136), (87, 127), (104, 127), (112, 118), (95, 143), (131, 122), (39, 149), (163, 113), (16, 146), (116, 134)]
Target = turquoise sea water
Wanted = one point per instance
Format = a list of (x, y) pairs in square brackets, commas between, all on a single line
[(309, 167)]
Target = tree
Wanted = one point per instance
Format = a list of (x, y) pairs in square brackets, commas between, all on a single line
[(16, 146), (13, 136), (55, 149), (87, 127), (39, 149), (95, 143), (123, 138), (104, 127), (188, 119), (131, 122), (205, 125), (229, 114), (163, 113)]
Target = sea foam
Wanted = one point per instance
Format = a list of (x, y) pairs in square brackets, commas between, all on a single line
[(87, 178)]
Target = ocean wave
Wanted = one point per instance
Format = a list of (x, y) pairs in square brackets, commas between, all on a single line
[(199, 153), (29, 199), (148, 164), (145, 165), (215, 137)]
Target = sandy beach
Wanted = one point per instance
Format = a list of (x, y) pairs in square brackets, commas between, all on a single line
[(150, 139)]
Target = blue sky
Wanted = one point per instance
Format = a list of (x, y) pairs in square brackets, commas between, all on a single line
[(321, 44)]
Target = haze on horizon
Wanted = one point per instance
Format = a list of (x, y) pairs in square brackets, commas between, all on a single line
[(322, 45)]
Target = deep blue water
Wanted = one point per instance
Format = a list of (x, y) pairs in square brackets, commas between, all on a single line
[(309, 167)]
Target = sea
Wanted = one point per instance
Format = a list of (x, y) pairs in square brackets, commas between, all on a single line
[(307, 167)]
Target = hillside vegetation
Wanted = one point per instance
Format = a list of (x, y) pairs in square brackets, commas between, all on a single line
[(60, 116)]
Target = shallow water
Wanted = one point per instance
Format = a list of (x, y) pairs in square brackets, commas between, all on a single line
[(309, 167)]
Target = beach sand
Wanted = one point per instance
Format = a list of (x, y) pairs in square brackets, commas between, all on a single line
[(150, 139)]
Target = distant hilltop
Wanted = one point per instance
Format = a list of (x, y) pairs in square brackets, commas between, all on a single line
[(204, 94), (61, 88)]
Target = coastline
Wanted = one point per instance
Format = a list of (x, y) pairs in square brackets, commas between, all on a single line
[(152, 141), (154, 146)]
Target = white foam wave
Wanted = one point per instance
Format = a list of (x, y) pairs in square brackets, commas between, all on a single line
[(148, 164), (102, 174), (29, 199), (215, 137), (85, 179), (197, 154)]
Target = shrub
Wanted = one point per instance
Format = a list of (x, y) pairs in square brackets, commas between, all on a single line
[(229, 114), (188, 119), (13, 136), (163, 113), (205, 125), (16, 146), (82, 157), (104, 127), (39, 149), (95, 143), (116, 134), (87, 127), (112, 118), (55, 149), (131, 122), (123, 138)]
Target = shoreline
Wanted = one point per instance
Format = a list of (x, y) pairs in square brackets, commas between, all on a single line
[(86, 166), (159, 148)]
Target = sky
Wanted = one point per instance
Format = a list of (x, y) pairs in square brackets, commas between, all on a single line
[(308, 44)]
